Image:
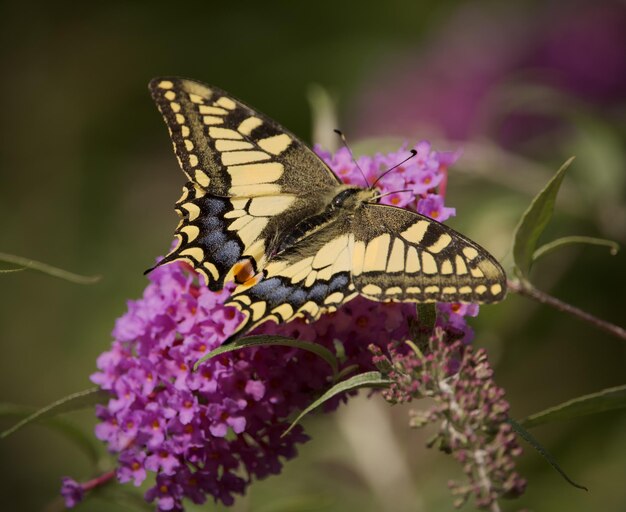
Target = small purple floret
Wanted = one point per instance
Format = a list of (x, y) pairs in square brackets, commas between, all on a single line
[(72, 492)]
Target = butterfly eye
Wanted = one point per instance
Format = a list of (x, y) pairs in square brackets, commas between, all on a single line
[(340, 198)]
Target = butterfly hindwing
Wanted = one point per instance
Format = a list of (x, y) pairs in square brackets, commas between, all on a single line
[(399, 255), (250, 180), (307, 280), (202, 237)]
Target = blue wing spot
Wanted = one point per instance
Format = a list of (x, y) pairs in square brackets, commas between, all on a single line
[(265, 287), (318, 292), (211, 223), (278, 295), (213, 241), (212, 206), (228, 254), (297, 297), (338, 282)]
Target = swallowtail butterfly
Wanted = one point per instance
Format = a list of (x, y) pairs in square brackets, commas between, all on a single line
[(261, 209)]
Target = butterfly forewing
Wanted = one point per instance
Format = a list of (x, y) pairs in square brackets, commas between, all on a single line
[(228, 149), (250, 180)]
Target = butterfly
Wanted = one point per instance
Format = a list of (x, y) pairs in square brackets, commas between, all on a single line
[(263, 210)]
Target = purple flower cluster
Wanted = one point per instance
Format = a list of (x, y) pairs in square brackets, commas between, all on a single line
[(470, 409), (579, 53), (419, 177), (213, 431)]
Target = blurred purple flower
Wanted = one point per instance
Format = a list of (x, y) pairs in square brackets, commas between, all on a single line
[(450, 86), (72, 492), (213, 431)]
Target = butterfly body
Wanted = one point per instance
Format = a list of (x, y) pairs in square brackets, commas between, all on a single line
[(262, 210), (342, 202)]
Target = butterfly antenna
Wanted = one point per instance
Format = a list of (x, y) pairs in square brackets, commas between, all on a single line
[(345, 143), (380, 196), (413, 153)]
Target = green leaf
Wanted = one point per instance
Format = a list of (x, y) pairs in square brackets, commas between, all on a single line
[(527, 436), (569, 240), (324, 117), (73, 402), (605, 400), (48, 269), (346, 371), (11, 270), (362, 380), (87, 443), (534, 220), (252, 341)]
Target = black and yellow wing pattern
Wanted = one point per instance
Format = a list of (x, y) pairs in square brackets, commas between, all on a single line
[(401, 256), (260, 208), (383, 253), (249, 179)]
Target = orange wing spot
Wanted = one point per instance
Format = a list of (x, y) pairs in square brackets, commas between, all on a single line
[(253, 280), (243, 271)]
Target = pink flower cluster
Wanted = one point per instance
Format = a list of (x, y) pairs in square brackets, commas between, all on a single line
[(419, 176), (213, 431), (469, 409)]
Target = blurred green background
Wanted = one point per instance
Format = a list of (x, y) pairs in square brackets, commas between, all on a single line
[(88, 181)]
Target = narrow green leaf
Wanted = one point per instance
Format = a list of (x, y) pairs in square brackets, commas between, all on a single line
[(340, 350), (605, 400), (252, 341), (324, 117), (534, 220), (346, 371), (87, 443), (569, 240), (528, 437), (11, 270), (48, 269), (362, 380), (73, 402)]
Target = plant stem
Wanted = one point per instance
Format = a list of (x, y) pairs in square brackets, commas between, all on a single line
[(47, 269), (528, 290), (98, 481)]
